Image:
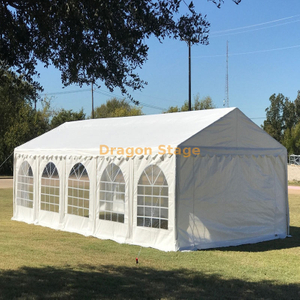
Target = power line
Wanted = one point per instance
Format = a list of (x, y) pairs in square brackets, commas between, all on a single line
[(103, 93), (118, 97), (147, 96), (256, 118), (153, 106), (256, 29), (143, 103), (66, 92), (227, 81), (256, 25), (251, 52)]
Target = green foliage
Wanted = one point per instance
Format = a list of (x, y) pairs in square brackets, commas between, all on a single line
[(19, 121), (117, 108), (93, 40), (204, 103), (172, 109), (291, 139), (283, 121), (61, 116), (274, 124)]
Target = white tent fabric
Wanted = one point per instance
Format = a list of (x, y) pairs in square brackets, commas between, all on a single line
[(234, 192)]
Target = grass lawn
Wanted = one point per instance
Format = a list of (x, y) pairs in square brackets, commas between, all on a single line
[(41, 263)]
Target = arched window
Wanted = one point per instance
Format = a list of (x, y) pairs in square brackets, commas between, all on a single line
[(25, 186), (50, 188), (152, 199), (78, 191), (112, 194)]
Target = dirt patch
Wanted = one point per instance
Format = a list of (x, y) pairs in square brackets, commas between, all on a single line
[(6, 183)]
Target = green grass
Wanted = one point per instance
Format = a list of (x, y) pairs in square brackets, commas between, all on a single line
[(41, 263), (297, 183)]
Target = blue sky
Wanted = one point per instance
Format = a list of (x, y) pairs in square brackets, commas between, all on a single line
[(264, 48)]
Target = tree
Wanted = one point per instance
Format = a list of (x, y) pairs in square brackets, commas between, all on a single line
[(274, 124), (173, 109), (117, 108), (289, 115), (93, 40), (283, 121), (61, 116), (297, 107), (204, 103), (291, 140), (20, 122)]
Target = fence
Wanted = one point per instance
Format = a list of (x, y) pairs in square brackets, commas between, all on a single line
[(294, 159)]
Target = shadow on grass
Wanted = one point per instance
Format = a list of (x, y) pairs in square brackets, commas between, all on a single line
[(278, 244), (111, 282)]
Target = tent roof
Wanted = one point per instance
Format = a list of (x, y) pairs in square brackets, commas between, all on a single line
[(147, 131)]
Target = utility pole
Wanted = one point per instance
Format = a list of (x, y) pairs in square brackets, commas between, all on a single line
[(93, 116), (227, 84), (190, 77)]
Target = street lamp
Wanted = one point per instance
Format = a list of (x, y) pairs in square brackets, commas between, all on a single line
[(189, 42)]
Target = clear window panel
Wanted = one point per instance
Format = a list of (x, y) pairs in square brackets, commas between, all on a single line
[(155, 223), (141, 190), (152, 210), (148, 200), (122, 188), (156, 191), (148, 190), (86, 213), (108, 216), (164, 213), (140, 211), (114, 217), (112, 194), (141, 200), (78, 191), (120, 218), (164, 191), (164, 224), (148, 211), (102, 195), (155, 212), (140, 221), (164, 202), (25, 185), (147, 222)]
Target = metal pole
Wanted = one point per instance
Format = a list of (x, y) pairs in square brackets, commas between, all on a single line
[(227, 84), (190, 84), (93, 101)]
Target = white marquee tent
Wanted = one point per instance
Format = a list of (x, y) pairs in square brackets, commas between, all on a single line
[(234, 192)]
